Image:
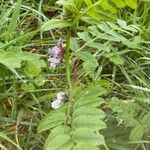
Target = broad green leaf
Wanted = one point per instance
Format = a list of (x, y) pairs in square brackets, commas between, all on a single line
[(89, 111), (32, 69), (60, 142), (131, 3), (53, 24), (13, 22), (51, 120), (86, 146), (136, 133), (91, 122), (85, 135)]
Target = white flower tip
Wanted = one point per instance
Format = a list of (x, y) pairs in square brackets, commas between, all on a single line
[(61, 95), (56, 104)]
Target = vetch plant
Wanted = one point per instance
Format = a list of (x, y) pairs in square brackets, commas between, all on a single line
[(79, 123)]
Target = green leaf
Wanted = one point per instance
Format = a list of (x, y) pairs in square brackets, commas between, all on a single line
[(89, 111), (86, 146), (84, 36), (13, 22), (85, 135), (90, 63), (10, 59), (60, 142), (106, 6), (51, 120), (119, 3), (53, 24), (127, 110), (91, 92), (146, 122), (89, 102), (118, 60), (74, 45), (91, 122), (39, 80), (89, 97), (122, 23), (27, 87), (88, 2), (59, 130), (131, 3), (32, 69), (136, 133)]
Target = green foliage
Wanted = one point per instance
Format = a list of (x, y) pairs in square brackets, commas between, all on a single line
[(84, 125), (107, 75), (90, 63), (92, 12), (53, 24), (127, 113), (15, 16)]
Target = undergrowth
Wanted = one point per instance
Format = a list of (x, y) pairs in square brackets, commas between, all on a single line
[(104, 75)]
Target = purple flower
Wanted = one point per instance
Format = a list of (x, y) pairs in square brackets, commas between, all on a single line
[(56, 54)]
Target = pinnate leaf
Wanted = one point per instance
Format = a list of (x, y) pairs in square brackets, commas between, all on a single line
[(88, 111), (136, 133), (86, 146), (85, 135), (51, 120), (60, 142), (91, 122), (53, 24)]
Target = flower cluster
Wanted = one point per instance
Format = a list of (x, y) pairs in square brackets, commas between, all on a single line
[(59, 100), (56, 54)]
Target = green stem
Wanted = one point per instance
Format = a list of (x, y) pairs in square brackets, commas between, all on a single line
[(68, 75), (14, 100), (106, 147), (68, 68)]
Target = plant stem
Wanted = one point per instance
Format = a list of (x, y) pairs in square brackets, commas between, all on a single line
[(106, 147), (14, 100), (68, 75), (68, 68)]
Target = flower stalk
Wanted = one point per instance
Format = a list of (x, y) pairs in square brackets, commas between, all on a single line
[(68, 75)]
